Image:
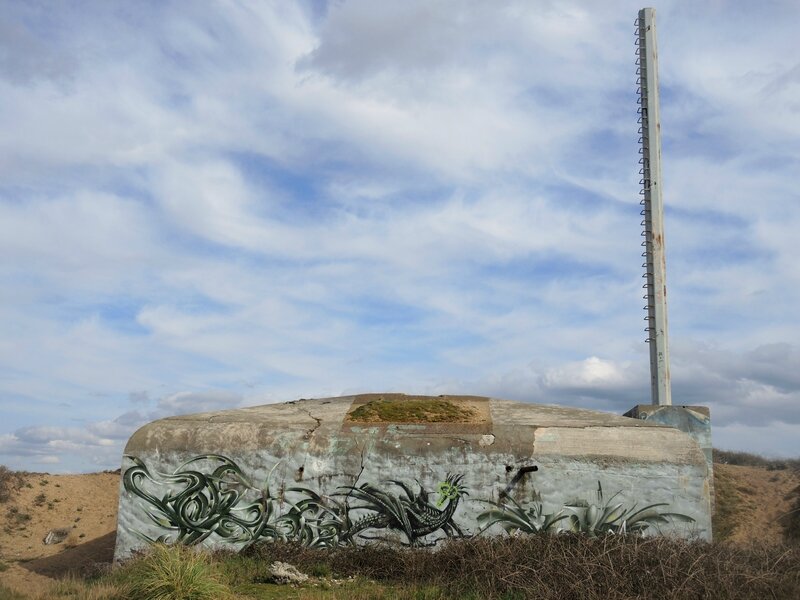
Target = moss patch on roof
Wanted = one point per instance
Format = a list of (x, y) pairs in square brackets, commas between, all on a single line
[(411, 410)]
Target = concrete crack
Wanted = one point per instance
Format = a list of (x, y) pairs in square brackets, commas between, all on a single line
[(358, 477), (313, 430)]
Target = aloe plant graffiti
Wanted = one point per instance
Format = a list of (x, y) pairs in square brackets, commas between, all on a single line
[(210, 495), (604, 516)]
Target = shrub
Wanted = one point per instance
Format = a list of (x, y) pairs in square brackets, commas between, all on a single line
[(747, 459), (172, 573), (565, 566), (10, 482)]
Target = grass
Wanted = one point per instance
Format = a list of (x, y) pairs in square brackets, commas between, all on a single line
[(411, 410), (173, 573), (536, 566), (791, 520), (727, 501), (9, 594), (568, 567)]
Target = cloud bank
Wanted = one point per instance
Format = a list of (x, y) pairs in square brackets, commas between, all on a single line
[(214, 205)]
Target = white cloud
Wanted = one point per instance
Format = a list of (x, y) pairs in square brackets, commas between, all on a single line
[(218, 206)]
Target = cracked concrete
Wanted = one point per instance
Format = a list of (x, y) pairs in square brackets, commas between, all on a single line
[(310, 432)]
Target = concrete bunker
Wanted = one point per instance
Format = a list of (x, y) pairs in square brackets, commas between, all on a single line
[(411, 470)]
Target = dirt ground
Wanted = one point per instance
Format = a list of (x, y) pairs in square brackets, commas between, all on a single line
[(83, 505), (86, 506), (761, 498)]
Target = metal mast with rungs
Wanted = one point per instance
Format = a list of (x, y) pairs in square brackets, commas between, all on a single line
[(652, 207)]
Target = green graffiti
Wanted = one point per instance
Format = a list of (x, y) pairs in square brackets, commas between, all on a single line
[(410, 513), (580, 516), (210, 495), (447, 491), (225, 503)]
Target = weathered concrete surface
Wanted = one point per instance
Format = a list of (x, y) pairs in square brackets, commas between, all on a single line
[(695, 421), (308, 458)]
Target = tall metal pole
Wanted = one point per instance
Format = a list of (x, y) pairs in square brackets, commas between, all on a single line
[(653, 208)]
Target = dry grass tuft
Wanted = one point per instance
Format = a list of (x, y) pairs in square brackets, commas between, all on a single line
[(172, 573), (791, 520)]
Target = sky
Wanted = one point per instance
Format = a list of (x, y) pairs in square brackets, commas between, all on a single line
[(207, 205)]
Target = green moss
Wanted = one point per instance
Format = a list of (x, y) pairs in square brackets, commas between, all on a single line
[(410, 410)]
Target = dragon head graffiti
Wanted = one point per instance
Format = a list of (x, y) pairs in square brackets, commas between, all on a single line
[(451, 489)]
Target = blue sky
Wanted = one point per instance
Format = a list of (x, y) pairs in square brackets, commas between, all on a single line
[(214, 204)]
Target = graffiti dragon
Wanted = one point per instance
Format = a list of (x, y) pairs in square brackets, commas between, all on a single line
[(411, 513)]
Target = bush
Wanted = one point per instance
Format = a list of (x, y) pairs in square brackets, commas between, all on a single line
[(10, 482), (172, 573), (746, 459), (566, 566)]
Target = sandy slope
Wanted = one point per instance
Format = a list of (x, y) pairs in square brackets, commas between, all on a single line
[(87, 506), (763, 497)]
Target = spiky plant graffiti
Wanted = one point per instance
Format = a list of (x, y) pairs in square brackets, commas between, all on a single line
[(515, 518), (580, 516), (196, 504), (604, 516), (224, 502)]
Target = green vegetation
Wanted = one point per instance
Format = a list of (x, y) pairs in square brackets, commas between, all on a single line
[(411, 410), (172, 573)]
